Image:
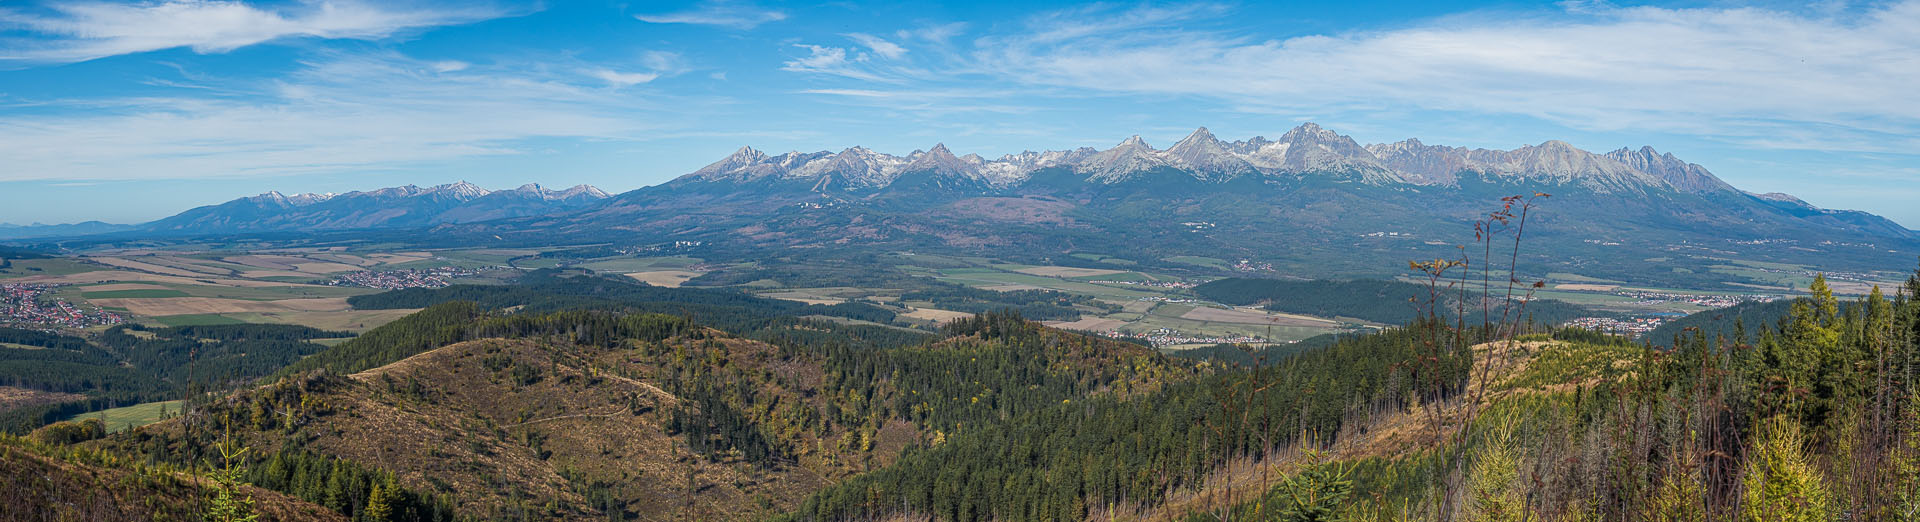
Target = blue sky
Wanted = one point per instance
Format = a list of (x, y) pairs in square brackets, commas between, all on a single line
[(126, 112)]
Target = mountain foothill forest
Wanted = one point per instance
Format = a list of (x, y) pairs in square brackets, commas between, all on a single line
[(1289, 330)]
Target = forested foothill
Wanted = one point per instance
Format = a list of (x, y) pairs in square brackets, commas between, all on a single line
[(132, 364)]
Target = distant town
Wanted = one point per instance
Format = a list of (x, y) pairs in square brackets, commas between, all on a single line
[(1180, 285), (1631, 327), (1169, 337), (1710, 301), (27, 305), (398, 279)]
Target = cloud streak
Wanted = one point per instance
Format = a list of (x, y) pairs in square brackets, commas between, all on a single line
[(1742, 73), (1749, 76), (880, 46), (718, 13), (336, 113), (81, 31)]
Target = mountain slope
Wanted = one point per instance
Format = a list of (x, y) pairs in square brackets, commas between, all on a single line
[(407, 206), (1314, 203), (12, 231)]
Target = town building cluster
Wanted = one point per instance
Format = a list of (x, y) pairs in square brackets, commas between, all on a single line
[(1631, 327), (1245, 265), (1169, 337), (1710, 301), (27, 305), (1182, 285), (398, 279), (663, 248)]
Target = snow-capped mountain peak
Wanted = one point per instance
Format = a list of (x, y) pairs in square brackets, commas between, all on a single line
[(1305, 152)]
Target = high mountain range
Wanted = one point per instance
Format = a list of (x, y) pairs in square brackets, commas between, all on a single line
[(1308, 201), (1308, 154), (1314, 202), (1308, 150)]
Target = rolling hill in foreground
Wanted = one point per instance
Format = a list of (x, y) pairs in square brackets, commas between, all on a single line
[(591, 416)]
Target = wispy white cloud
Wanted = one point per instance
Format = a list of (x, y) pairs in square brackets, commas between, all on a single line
[(880, 46), (665, 63), (834, 61), (1748, 75), (336, 113), (620, 79), (79, 31), (720, 13)]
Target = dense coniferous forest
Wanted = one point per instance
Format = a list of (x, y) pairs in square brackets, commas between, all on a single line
[(1039, 305), (551, 289), (130, 364), (1070, 458), (1742, 323)]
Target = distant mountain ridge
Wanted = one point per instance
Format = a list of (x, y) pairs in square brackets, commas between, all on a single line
[(12, 231), (1306, 150), (1313, 202), (393, 207), (1306, 154)]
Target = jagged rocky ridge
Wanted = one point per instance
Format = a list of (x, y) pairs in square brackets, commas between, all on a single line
[(1308, 150)]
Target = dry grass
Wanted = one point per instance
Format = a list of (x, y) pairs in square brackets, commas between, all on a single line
[(398, 258), (347, 259), (115, 276), (1067, 271), (259, 274), (267, 262), (936, 315), (348, 320), (1090, 324), (323, 268), (195, 265), (1243, 316), (144, 266), (164, 306), (11, 397), (801, 297), (666, 278), (111, 287)]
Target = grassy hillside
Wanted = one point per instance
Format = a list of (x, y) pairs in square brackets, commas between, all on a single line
[(133, 364)]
